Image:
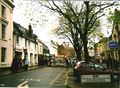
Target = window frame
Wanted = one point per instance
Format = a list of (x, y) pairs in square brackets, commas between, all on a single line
[(3, 55), (25, 42), (98, 65), (3, 35), (3, 11), (17, 39)]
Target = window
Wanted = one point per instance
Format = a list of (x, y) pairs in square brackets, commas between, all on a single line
[(35, 46), (116, 54), (17, 39), (3, 53), (25, 42), (40, 48), (29, 43), (3, 11), (82, 67), (99, 67), (3, 30), (89, 66)]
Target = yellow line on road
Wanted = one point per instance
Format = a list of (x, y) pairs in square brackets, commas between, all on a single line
[(56, 77), (66, 80), (67, 76)]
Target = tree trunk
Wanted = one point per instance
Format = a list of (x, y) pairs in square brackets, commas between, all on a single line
[(86, 50), (78, 52)]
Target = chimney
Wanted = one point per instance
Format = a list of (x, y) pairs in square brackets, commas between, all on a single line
[(30, 30)]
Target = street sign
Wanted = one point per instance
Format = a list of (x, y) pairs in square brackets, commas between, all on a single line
[(96, 78), (113, 44)]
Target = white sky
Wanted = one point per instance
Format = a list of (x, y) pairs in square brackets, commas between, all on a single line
[(41, 32)]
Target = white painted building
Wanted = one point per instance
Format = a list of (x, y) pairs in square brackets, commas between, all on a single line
[(6, 33), (40, 46), (25, 40), (40, 51)]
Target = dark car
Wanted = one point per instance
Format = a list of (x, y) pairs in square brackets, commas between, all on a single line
[(93, 68)]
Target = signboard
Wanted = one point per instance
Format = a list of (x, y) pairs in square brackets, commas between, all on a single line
[(113, 44), (25, 50), (103, 78)]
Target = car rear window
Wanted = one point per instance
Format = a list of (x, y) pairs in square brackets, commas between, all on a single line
[(89, 66), (98, 67)]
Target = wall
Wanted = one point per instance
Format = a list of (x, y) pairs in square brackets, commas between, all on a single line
[(8, 41)]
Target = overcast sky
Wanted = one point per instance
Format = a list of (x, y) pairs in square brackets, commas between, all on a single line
[(41, 32)]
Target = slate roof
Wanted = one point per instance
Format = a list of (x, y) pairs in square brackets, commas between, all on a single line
[(23, 32)]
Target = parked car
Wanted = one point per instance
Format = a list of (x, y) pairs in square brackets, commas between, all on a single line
[(93, 68), (81, 62)]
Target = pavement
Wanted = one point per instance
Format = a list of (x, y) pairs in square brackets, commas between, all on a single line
[(72, 82), (8, 71)]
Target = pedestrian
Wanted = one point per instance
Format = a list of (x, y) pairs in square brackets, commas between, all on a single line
[(42, 61), (20, 63), (116, 65), (101, 61), (107, 63), (26, 64), (110, 61), (14, 65), (66, 60)]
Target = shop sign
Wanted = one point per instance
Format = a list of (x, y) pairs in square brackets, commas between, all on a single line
[(104, 78), (25, 50)]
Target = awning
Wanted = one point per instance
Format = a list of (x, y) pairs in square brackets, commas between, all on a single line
[(18, 52)]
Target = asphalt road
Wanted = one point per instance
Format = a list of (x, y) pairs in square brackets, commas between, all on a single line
[(49, 77)]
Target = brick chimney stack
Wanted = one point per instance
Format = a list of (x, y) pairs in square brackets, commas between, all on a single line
[(30, 30)]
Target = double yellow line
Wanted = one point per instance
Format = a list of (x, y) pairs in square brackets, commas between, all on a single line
[(57, 77), (60, 74)]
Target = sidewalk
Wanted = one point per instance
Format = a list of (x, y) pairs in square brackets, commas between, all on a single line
[(5, 72)]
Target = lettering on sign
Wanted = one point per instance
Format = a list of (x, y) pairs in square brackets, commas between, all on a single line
[(95, 78), (113, 44)]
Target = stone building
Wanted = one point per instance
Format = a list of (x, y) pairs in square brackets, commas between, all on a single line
[(6, 33)]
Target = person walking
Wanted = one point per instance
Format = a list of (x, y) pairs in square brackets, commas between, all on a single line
[(14, 65), (107, 63), (20, 63), (66, 62), (116, 65), (26, 64)]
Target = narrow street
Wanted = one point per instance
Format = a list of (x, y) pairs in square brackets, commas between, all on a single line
[(46, 77)]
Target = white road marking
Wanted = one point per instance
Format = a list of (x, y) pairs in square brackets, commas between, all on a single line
[(20, 86), (30, 79)]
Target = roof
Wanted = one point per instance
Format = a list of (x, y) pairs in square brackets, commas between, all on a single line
[(23, 32)]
